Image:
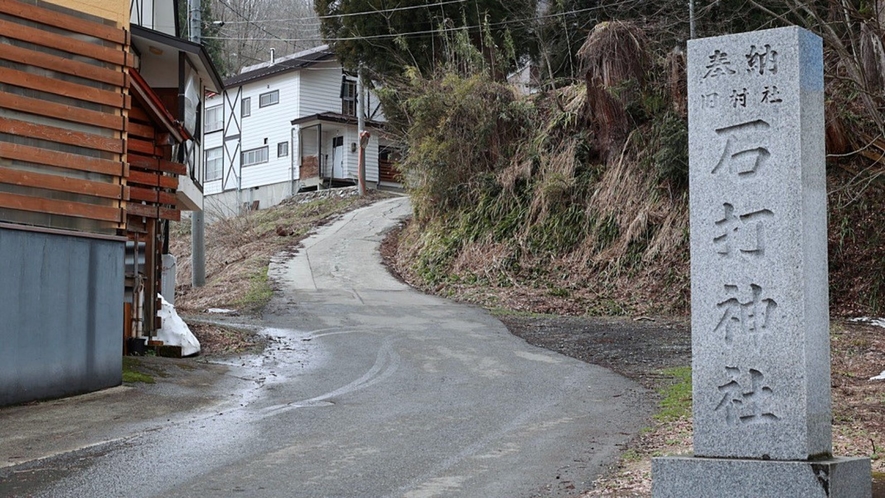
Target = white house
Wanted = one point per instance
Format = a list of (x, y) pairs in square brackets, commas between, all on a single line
[(287, 125)]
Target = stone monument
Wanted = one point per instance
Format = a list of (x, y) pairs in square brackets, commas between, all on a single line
[(759, 290)]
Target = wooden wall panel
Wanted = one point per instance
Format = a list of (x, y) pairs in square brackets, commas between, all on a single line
[(63, 88), (62, 184), (65, 21), (43, 48), (48, 39)]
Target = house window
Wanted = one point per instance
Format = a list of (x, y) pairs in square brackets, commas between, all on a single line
[(214, 119), (213, 164), (254, 156), (269, 98), (282, 149), (348, 97), (246, 107)]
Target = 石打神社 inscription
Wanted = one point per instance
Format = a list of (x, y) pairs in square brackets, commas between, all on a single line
[(758, 246)]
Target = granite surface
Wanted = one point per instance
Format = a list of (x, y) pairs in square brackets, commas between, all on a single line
[(760, 321), (676, 477)]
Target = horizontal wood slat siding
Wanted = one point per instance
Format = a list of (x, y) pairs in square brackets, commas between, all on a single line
[(387, 172), (62, 42), (61, 135), (172, 167), (143, 210), (64, 208), (152, 180), (60, 111), (62, 184), (61, 159), (62, 65), (138, 114), (170, 214), (65, 21), (40, 158), (142, 147), (151, 195), (152, 211), (140, 130), (154, 164), (63, 88)]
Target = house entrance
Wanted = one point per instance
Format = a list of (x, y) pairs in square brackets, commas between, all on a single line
[(338, 157)]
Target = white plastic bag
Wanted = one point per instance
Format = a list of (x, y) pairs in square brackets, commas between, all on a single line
[(175, 332)]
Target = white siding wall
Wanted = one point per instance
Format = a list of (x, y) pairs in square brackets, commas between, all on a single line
[(320, 88), (305, 92), (374, 107), (211, 141), (269, 126), (157, 15), (372, 159), (352, 158), (157, 73)]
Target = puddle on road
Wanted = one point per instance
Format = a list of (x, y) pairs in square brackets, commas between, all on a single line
[(288, 354)]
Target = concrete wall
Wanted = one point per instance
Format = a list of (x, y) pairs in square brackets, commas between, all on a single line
[(61, 314), (228, 204)]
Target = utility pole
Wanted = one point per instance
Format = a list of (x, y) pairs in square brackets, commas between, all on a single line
[(363, 134), (198, 240), (691, 31)]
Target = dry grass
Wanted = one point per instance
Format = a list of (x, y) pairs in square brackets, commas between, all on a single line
[(239, 248), (218, 340), (615, 61)]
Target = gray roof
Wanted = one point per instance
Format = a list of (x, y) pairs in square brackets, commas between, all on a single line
[(281, 66)]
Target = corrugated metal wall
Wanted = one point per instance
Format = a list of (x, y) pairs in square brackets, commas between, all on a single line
[(61, 313)]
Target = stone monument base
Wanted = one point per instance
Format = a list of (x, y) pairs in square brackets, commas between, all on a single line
[(688, 476)]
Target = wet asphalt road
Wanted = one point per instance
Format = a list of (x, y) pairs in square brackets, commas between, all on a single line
[(371, 389)]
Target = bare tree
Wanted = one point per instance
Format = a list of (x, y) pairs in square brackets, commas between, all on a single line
[(250, 28)]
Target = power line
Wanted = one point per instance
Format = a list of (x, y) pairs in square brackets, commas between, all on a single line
[(426, 32), (314, 20), (352, 14), (241, 16)]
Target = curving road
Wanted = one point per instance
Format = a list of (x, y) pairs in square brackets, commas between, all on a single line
[(371, 389)]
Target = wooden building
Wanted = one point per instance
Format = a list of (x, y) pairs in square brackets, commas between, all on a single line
[(91, 156)]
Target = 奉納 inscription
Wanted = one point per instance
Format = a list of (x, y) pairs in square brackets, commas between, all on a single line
[(762, 59), (719, 65)]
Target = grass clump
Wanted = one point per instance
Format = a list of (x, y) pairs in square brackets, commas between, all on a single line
[(676, 395), (131, 373), (260, 291)]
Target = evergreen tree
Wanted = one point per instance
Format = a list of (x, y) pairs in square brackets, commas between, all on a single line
[(209, 33), (386, 37)]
